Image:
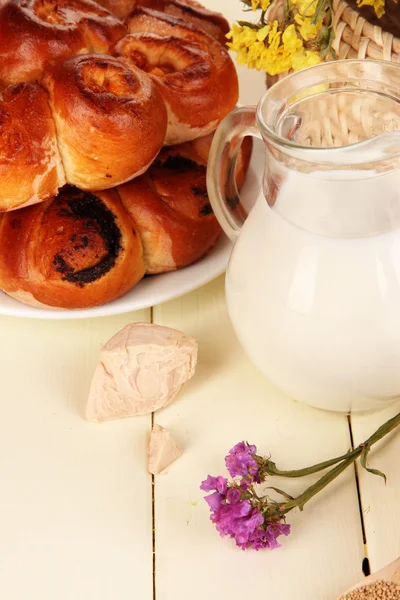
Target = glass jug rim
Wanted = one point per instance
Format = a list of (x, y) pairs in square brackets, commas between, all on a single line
[(295, 87)]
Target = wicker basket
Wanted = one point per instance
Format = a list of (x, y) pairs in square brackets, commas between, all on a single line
[(355, 36)]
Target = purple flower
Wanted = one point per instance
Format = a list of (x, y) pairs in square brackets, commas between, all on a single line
[(233, 495), (236, 510), (214, 500), (240, 462), (219, 484), (266, 537), (238, 520)]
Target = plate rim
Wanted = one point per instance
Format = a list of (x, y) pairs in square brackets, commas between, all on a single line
[(219, 255)]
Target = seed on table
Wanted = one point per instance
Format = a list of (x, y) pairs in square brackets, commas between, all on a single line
[(385, 590)]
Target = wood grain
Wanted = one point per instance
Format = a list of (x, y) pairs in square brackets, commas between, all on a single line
[(75, 501)]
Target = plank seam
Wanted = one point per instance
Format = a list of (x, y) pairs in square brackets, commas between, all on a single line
[(153, 503), (365, 562)]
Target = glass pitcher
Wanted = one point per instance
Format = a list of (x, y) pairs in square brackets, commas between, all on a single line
[(313, 283)]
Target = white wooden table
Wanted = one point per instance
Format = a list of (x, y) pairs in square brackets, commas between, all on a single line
[(79, 516), (77, 506)]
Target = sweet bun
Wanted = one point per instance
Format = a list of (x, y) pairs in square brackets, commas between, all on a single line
[(34, 32), (193, 12), (198, 151), (170, 207), (189, 10), (120, 8), (30, 164), (110, 119), (193, 72), (73, 251)]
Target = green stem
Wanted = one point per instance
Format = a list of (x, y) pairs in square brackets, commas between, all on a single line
[(383, 430), (271, 469), (346, 461), (314, 489)]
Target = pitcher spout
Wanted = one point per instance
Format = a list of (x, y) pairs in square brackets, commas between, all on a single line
[(335, 114)]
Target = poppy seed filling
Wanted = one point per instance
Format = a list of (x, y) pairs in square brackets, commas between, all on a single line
[(96, 216)]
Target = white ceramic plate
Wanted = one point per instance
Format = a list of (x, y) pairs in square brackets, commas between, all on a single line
[(157, 288), (148, 292), (160, 288)]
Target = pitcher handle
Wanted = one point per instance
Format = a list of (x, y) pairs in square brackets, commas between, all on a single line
[(221, 181)]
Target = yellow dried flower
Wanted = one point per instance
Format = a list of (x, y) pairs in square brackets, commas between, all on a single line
[(242, 37), (263, 4), (270, 49), (305, 7), (307, 29), (291, 41), (305, 59), (378, 5), (263, 32)]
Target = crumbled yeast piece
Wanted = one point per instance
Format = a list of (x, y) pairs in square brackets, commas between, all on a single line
[(142, 368), (163, 450)]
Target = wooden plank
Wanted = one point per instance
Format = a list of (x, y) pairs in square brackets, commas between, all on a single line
[(75, 502), (380, 502), (228, 401)]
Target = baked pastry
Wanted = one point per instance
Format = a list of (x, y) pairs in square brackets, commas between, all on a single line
[(198, 151), (110, 119), (170, 207), (212, 22), (34, 32), (30, 164), (193, 72), (73, 251), (83, 249), (119, 8), (70, 113)]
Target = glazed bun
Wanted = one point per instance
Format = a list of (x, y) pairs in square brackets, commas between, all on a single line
[(120, 8), (211, 22), (110, 120), (74, 251), (115, 97), (170, 207), (82, 249), (192, 71), (30, 164), (36, 32)]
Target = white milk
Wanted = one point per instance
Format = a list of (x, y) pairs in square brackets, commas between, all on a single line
[(319, 314)]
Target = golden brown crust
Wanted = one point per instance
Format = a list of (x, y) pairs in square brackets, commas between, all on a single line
[(198, 151), (110, 120), (212, 22), (193, 72), (74, 251), (171, 210), (35, 32), (170, 207), (193, 12), (120, 8), (30, 164)]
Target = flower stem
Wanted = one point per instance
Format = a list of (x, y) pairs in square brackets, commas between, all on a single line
[(271, 469), (345, 461), (314, 489)]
